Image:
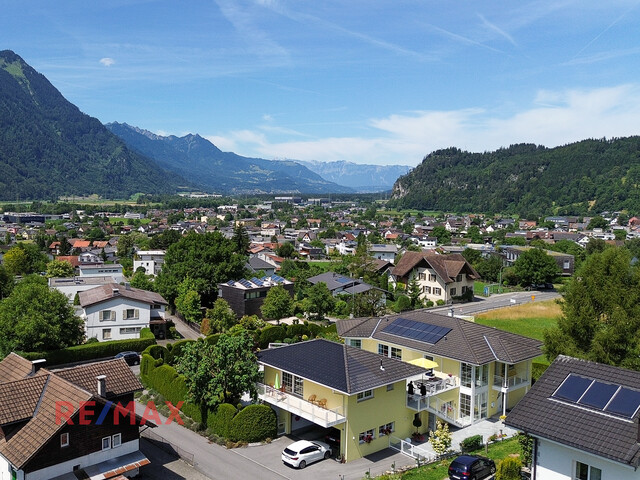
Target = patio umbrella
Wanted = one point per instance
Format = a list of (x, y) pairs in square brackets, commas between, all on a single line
[(424, 363), (276, 384)]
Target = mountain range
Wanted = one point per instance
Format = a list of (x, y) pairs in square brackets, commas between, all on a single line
[(205, 165), (530, 180), (362, 178)]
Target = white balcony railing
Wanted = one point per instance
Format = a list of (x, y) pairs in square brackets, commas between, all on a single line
[(509, 382), (442, 409), (296, 405)]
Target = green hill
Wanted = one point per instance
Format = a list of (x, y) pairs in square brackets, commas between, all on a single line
[(581, 178), (48, 147)]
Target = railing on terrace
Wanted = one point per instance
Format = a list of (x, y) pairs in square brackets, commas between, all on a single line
[(444, 410), (298, 406), (509, 382), (420, 452)]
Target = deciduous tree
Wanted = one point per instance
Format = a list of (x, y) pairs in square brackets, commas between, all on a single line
[(277, 304), (60, 269), (535, 266)]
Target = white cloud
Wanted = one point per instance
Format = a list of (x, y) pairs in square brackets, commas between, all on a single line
[(107, 62), (552, 118)]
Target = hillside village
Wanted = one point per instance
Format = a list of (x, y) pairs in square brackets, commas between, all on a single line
[(364, 291)]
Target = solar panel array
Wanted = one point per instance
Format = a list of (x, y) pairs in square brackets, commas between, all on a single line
[(413, 330), (277, 278), (606, 397), (245, 283), (256, 281)]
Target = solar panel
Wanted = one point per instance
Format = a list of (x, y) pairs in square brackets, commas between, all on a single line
[(598, 395), (625, 403), (277, 278), (572, 388), (414, 330), (256, 281), (245, 283)]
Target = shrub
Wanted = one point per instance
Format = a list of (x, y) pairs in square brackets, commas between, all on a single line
[(537, 369), (219, 420), (440, 302), (254, 423), (157, 351), (509, 469), (92, 351), (212, 339), (402, 303), (176, 350), (314, 329), (271, 335), (429, 304), (471, 443), (205, 326), (297, 330)]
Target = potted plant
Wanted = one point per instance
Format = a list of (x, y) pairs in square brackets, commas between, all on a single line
[(368, 438)]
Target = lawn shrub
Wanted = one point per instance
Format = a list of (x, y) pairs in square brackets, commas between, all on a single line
[(254, 423), (219, 419), (509, 469), (471, 443), (272, 335)]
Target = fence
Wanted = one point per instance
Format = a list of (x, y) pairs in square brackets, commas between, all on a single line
[(167, 446), (419, 452)]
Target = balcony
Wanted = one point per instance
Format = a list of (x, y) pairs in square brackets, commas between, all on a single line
[(506, 383), (443, 410), (424, 388), (297, 406)]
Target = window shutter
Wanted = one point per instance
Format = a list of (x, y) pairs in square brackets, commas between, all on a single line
[(136, 313), (113, 315), (124, 314)]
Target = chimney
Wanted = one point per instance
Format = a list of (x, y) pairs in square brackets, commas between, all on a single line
[(116, 292), (37, 365), (102, 385)]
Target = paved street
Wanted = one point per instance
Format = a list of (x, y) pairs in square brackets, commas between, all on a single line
[(481, 304)]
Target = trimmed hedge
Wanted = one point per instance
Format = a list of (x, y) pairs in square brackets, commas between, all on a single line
[(212, 339), (219, 420), (92, 351), (471, 443), (272, 335), (254, 423), (176, 349)]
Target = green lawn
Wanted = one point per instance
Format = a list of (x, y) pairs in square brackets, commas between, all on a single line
[(439, 470), (478, 288)]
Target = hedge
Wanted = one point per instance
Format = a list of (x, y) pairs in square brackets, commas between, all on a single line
[(297, 330), (92, 351), (471, 443), (212, 339), (176, 350), (254, 423), (219, 419), (271, 335), (509, 469)]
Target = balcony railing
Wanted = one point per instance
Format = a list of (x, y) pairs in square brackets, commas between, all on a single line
[(296, 405), (442, 409), (509, 382)]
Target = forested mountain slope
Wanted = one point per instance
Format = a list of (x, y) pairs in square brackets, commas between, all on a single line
[(579, 178)]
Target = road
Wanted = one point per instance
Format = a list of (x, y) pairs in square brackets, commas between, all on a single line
[(497, 301)]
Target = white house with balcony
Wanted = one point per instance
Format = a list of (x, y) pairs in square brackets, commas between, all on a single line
[(116, 312), (150, 260)]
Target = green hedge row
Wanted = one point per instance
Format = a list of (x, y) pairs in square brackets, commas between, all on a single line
[(219, 419), (253, 423), (471, 443), (91, 351)]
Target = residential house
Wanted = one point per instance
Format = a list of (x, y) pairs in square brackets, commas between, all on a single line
[(584, 418), (565, 261), (150, 260), (245, 297), (478, 372), (324, 384), (38, 443), (116, 312), (384, 252), (74, 285), (256, 264), (113, 270), (440, 277)]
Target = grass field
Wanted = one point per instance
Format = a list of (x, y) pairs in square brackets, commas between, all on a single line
[(439, 470), (478, 288)]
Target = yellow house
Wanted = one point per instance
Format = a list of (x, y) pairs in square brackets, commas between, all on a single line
[(478, 371), (355, 395)]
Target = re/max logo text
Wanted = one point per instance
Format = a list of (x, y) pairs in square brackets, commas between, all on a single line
[(87, 412)]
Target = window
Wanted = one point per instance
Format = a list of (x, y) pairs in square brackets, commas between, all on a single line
[(389, 387), (64, 440), (366, 436), (107, 315), (298, 385), (482, 375), (586, 472), (116, 440), (453, 291), (106, 443), (465, 405), (355, 343), (566, 265), (129, 330), (383, 349), (427, 290), (465, 374), (386, 429), (459, 278), (432, 277), (422, 276), (437, 291), (396, 353), (106, 334), (366, 395), (292, 384), (130, 313)]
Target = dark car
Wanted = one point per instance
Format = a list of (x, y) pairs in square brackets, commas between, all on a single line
[(132, 358), (471, 467)]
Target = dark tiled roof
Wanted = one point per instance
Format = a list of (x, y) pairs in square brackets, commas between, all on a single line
[(467, 341), (119, 378), (20, 398), (106, 292), (14, 367), (347, 369), (446, 266), (601, 434)]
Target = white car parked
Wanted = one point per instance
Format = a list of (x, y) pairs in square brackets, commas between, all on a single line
[(302, 453)]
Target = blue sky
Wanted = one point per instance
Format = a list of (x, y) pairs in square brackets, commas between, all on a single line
[(382, 82)]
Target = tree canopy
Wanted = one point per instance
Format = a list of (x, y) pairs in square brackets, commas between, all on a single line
[(59, 269), (535, 266), (36, 318), (277, 304), (601, 312)]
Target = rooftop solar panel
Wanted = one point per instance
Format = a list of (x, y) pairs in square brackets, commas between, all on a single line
[(572, 388), (598, 395), (245, 283), (256, 281), (277, 278), (414, 330), (625, 403)]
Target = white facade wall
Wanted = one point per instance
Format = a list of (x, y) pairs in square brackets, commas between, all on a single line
[(150, 260), (386, 256), (107, 270), (558, 462), (95, 326), (429, 286)]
